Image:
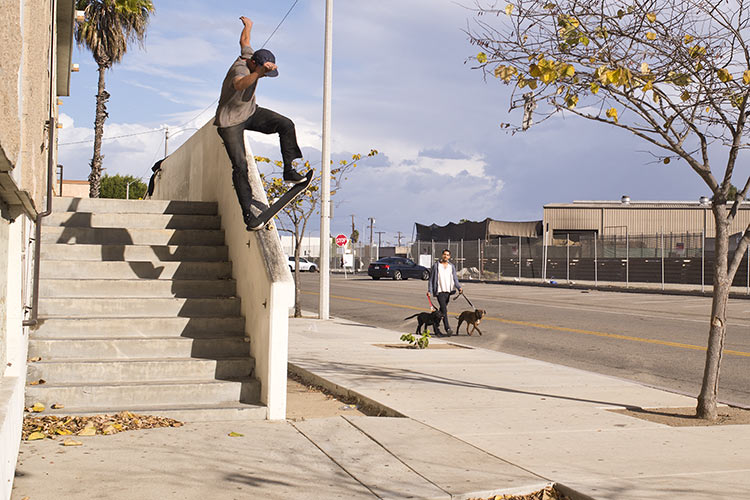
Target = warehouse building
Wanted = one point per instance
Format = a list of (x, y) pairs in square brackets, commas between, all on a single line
[(620, 218)]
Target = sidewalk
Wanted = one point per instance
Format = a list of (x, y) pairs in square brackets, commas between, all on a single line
[(479, 423), (547, 419)]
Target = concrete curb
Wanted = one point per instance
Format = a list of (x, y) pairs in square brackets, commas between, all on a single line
[(367, 405)]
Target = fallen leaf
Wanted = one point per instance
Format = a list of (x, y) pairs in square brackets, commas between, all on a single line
[(88, 430), (71, 442), (235, 434), (38, 382), (34, 360), (57, 406), (110, 429), (37, 408), (35, 435)]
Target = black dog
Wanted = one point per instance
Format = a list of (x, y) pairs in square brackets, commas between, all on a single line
[(431, 318)]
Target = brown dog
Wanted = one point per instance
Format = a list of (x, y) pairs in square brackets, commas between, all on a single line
[(472, 318)]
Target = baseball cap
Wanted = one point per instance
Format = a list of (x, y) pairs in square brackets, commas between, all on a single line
[(263, 56)]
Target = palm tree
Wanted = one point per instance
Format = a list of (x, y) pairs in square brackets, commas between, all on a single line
[(108, 27)]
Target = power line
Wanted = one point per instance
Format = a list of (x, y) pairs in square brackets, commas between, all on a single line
[(112, 138), (280, 23)]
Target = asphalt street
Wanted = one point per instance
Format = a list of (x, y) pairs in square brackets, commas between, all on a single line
[(655, 339)]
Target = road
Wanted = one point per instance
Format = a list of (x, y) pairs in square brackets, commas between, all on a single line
[(654, 339)]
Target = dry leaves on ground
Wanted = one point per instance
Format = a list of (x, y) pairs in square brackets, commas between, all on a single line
[(51, 426), (548, 493)]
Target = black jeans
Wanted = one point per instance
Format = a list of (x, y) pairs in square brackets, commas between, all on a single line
[(264, 121), (443, 299)]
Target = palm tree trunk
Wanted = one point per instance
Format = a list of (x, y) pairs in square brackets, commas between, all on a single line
[(101, 115), (707, 399)]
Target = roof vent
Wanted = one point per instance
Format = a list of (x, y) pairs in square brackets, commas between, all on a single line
[(704, 200), (625, 200)]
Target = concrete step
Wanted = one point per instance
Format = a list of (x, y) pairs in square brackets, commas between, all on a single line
[(103, 205), (205, 328), (136, 288), (62, 269), (138, 253), (226, 410), (121, 236), (139, 370), (139, 348), (132, 395), (132, 221), (140, 307)]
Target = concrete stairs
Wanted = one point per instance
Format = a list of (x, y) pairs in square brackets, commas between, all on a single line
[(138, 312)]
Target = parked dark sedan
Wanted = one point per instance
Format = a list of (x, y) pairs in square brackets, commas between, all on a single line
[(397, 268)]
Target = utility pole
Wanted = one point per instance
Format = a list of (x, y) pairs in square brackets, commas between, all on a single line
[(372, 226), (325, 175), (166, 141), (399, 238), (379, 233), (353, 227)]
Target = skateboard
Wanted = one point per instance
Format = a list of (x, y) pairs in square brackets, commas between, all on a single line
[(259, 222)]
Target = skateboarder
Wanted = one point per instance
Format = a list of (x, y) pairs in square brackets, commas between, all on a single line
[(237, 112)]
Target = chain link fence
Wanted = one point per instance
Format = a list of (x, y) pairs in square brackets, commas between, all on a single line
[(661, 258)]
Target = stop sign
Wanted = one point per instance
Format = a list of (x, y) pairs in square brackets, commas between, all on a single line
[(341, 240)]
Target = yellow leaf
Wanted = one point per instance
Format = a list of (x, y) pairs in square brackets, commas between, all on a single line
[(509, 9), (37, 408), (651, 35), (35, 435), (724, 75), (235, 434), (63, 432), (71, 442), (612, 113), (644, 68), (649, 85), (688, 39), (532, 84), (481, 58), (685, 96), (88, 430), (746, 77), (708, 109), (651, 17), (595, 87), (667, 161), (34, 360)]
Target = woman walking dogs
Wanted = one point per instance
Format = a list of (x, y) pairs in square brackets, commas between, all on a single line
[(442, 284)]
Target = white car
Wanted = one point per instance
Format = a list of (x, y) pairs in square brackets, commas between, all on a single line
[(304, 265)]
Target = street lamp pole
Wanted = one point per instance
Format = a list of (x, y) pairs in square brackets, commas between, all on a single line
[(325, 174)]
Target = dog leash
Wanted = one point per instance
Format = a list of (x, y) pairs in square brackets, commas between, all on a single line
[(430, 301), (467, 300)]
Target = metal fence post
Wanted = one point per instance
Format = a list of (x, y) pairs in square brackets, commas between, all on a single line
[(703, 261), (748, 270), (567, 261), (432, 251), (479, 256), (463, 263), (519, 257), (596, 263), (627, 258), (662, 261), (499, 257)]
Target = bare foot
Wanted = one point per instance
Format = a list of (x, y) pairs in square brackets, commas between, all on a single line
[(246, 21)]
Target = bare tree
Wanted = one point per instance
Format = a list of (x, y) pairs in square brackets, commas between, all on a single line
[(295, 216), (675, 73)]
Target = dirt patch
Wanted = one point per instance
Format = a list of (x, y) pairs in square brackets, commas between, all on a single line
[(685, 417), (548, 493), (431, 346), (305, 401)]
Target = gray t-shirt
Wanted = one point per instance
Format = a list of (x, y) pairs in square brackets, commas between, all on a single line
[(236, 106)]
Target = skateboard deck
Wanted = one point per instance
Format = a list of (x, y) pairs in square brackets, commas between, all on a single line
[(259, 222)]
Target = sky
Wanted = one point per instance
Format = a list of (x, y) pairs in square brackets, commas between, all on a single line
[(403, 83)]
